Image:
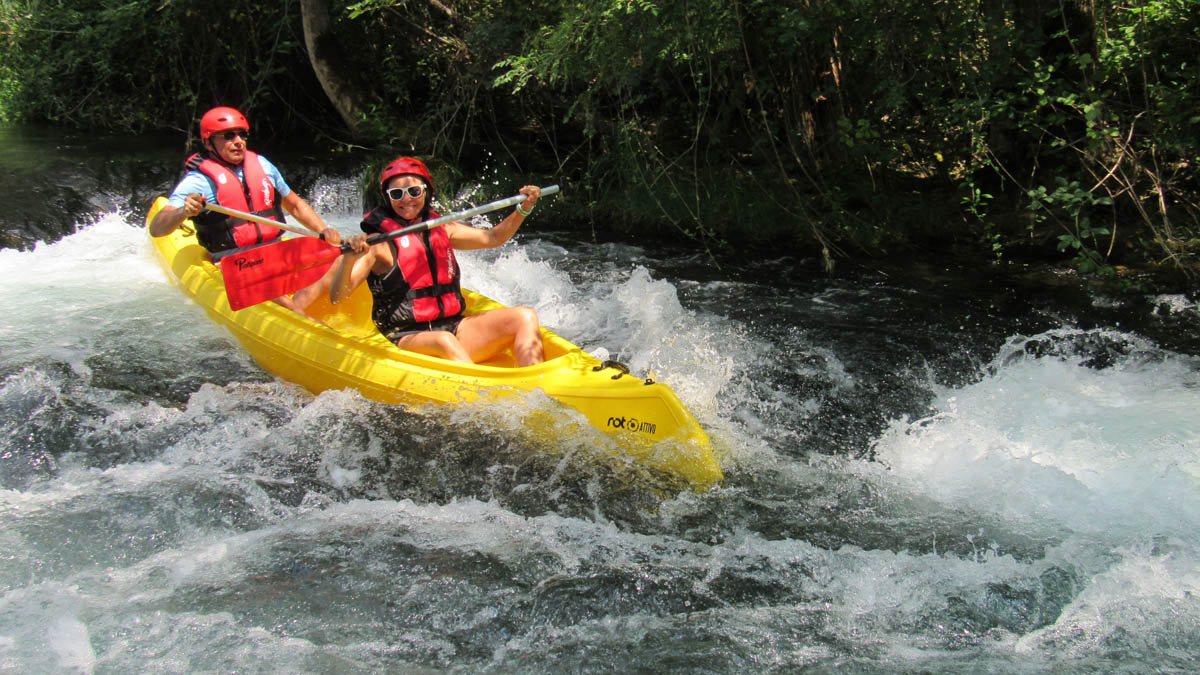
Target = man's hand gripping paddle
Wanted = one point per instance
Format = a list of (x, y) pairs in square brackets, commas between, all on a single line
[(282, 268)]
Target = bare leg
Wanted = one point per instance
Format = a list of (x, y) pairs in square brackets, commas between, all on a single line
[(305, 296), (485, 335), (287, 302), (438, 343)]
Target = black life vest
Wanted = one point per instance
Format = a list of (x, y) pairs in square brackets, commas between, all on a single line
[(423, 283), (256, 194)]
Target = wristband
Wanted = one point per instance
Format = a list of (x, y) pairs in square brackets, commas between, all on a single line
[(321, 235), (521, 210)]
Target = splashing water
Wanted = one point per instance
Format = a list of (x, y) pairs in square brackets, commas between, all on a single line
[(1023, 499)]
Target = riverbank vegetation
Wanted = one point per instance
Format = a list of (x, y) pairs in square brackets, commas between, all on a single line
[(1065, 130)]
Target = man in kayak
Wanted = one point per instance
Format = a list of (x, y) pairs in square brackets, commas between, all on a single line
[(228, 174), (414, 280)]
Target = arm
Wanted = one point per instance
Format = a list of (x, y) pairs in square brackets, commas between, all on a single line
[(352, 269), (301, 211), (465, 237), (170, 217)]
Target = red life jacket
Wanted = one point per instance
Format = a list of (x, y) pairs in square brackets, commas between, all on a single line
[(423, 283), (255, 194)]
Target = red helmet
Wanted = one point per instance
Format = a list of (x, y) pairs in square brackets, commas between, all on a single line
[(406, 166), (221, 119)]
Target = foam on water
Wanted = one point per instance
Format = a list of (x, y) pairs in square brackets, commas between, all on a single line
[(1100, 450), (77, 285), (1104, 460)]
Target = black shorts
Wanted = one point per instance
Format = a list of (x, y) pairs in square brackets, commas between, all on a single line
[(446, 323)]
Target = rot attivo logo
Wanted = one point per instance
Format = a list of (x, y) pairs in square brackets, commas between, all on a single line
[(632, 424)]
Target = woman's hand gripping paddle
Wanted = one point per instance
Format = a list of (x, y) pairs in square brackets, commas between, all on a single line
[(282, 268)]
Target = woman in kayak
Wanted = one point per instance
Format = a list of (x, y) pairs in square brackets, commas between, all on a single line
[(414, 280)]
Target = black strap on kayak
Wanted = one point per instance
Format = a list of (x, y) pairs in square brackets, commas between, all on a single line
[(624, 370), (616, 365)]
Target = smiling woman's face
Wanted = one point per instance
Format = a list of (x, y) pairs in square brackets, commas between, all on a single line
[(407, 207)]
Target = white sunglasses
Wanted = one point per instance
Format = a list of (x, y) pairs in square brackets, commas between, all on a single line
[(397, 193)]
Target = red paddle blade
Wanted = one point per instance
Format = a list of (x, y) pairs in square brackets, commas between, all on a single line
[(267, 272)]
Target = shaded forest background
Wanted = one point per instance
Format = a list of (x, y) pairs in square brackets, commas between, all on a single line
[(1064, 130)]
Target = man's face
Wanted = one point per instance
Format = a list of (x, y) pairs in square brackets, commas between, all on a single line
[(231, 145)]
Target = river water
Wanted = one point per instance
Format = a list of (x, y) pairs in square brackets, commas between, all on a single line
[(928, 469)]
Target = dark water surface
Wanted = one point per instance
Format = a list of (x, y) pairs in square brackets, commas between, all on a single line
[(929, 468)]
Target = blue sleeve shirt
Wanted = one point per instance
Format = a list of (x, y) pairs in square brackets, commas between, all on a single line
[(194, 181)]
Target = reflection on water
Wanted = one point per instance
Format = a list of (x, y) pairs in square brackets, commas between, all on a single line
[(55, 180)]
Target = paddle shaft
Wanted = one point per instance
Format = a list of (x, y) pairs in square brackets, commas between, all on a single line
[(458, 215), (377, 238), (259, 219)]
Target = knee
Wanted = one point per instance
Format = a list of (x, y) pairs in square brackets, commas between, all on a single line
[(526, 316), (445, 341), (446, 345)]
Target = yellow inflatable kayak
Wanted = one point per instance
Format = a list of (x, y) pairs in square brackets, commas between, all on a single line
[(646, 417)]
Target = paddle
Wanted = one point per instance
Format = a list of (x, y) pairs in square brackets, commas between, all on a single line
[(267, 272), (260, 220)]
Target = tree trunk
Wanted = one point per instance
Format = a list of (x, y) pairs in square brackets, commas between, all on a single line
[(314, 16)]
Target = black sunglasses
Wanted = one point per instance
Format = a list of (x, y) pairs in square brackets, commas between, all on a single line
[(228, 136), (397, 193)]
